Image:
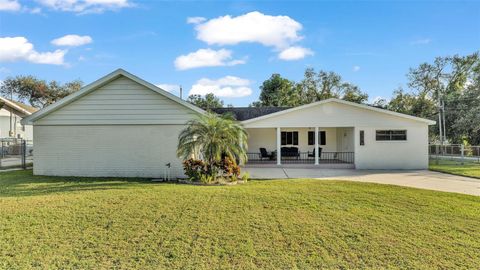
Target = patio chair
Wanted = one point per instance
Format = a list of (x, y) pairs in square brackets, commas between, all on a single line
[(312, 154), (265, 154)]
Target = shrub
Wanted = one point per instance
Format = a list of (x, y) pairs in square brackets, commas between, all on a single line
[(194, 169), (200, 171), (229, 167), (245, 177)]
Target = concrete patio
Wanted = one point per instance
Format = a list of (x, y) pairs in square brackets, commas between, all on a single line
[(423, 179)]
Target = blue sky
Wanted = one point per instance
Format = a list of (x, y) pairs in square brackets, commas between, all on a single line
[(230, 48)]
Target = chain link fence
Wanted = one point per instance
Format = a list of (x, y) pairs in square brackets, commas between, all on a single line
[(457, 154), (15, 153)]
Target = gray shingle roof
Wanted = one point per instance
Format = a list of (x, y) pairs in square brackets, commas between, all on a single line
[(245, 113)]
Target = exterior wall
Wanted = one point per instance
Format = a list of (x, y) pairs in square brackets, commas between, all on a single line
[(410, 154), (121, 101), (121, 129), (19, 130), (114, 151), (266, 138)]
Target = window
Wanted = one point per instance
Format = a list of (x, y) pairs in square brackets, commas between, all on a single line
[(289, 137), (362, 137), (322, 138), (391, 135)]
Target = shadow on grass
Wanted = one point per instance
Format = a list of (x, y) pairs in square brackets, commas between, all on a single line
[(24, 183)]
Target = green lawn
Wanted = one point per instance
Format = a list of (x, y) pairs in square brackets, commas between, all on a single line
[(48, 222), (454, 167)]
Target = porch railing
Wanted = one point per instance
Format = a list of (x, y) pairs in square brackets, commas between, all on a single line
[(304, 158)]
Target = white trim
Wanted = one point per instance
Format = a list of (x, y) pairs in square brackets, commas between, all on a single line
[(362, 106), (279, 147), (101, 82), (15, 106)]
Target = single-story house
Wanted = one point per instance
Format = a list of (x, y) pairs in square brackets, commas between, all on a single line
[(121, 125), (11, 114)]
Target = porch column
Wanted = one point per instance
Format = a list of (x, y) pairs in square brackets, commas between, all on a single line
[(316, 146), (279, 152)]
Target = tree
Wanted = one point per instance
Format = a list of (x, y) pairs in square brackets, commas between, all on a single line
[(210, 137), (444, 84), (353, 93), (37, 92), (277, 91), (210, 101)]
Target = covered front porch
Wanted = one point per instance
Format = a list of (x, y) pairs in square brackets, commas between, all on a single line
[(332, 147)]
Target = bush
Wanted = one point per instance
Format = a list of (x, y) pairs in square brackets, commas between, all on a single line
[(194, 169), (229, 167), (199, 171), (245, 177)]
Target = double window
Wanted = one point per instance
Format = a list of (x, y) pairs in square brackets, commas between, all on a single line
[(322, 138), (391, 135), (289, 137)]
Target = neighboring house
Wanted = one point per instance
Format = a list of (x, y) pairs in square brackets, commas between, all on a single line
[(121, 125), (11, 114)]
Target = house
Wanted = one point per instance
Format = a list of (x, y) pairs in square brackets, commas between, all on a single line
[(121, 125), (11, 114)]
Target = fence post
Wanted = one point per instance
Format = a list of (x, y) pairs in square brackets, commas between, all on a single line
[(24, 153), (462, 150), (436, 152)]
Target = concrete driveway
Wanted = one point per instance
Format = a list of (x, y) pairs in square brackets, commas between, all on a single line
[(418, 179)]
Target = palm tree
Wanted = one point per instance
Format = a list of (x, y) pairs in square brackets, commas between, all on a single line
[(211, 137)]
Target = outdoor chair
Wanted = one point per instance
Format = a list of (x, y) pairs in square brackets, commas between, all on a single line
[(312, 154), (265, 154)]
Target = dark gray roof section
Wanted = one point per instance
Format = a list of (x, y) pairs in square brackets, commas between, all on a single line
[(245, 113)]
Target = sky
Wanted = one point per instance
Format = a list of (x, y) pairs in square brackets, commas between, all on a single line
[(230, 47)]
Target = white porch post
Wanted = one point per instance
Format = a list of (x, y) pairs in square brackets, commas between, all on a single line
[(279, 152), (316, 146)]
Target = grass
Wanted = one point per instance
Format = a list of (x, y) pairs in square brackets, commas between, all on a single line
[(72, 223), (454, 167)]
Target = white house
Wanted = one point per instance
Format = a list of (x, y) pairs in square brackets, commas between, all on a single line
[(11, 114), (121, 125)]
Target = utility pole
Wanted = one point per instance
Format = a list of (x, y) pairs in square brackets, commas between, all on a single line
[(181, 92), (440, 129)]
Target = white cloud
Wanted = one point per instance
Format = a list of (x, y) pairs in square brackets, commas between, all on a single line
[(206, 58), (272, 31), (168, 87), (228, 86), (195, 20), (18, 48), (72, 40), (294, 53), (356, 68), (85, 6), (10, 5), (423, 41)]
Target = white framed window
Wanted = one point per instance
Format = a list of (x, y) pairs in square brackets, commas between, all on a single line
[(289, 138), (390, 135)]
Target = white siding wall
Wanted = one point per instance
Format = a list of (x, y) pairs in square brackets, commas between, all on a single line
[(5, 125), (266, 137), (121, 101), (116, 150), (410, 154)]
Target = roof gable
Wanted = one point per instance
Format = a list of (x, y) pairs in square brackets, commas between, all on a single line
[(343, 102), (18, 106), (102, 82)]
